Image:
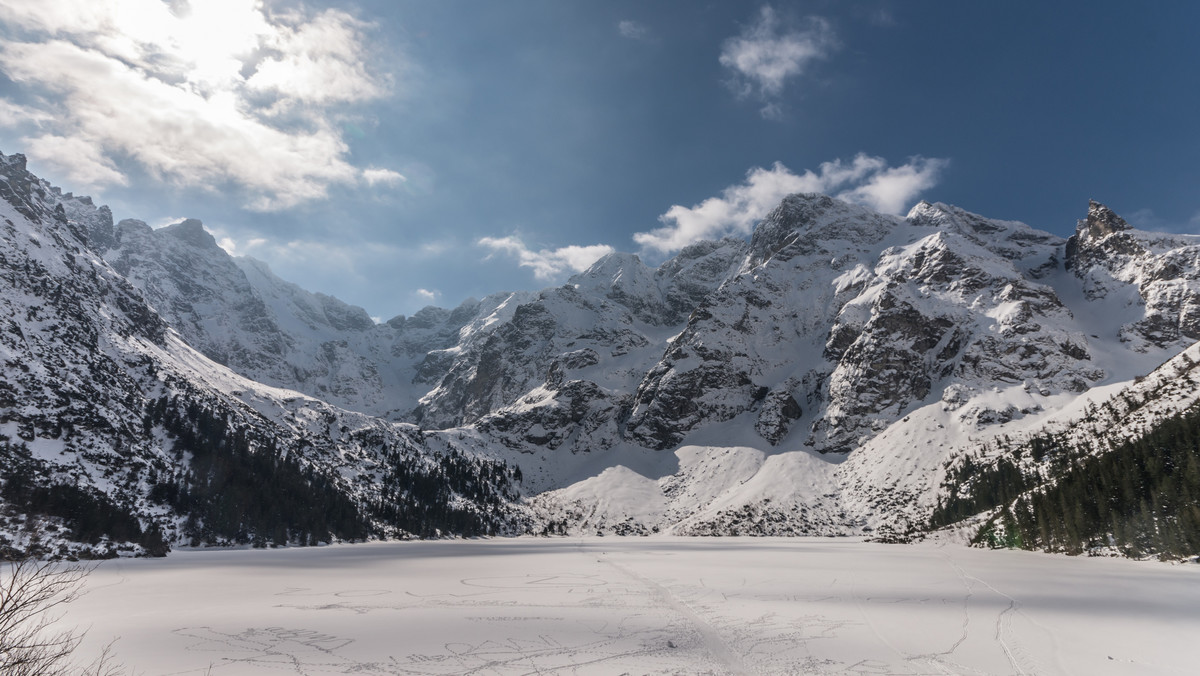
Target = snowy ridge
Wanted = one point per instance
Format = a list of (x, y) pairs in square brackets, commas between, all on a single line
[(819, 379), (101, 396), (908, 342), (237, 312)]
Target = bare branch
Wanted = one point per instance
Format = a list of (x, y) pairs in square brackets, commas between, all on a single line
[(32, 597)]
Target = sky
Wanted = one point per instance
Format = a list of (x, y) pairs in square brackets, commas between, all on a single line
[(401, 153)]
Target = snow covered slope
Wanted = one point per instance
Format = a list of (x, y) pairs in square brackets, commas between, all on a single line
[(117, 436), (238, 313), (906, 343), (820, 378)]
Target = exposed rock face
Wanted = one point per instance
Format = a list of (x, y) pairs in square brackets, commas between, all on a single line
[(778, 410), (1111, 257), (605, 325), (578, 416), (238, 313), (834, 320), (666, 295), (97, 395), (862, 316), (799, 382)]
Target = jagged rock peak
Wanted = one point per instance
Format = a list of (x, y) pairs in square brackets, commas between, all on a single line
[(132, 225), (793, 213), (948, 217), (923, 212), (1101, 221), (813, 217), (705, 247), (1091, 238), (15, 161), (611, 266), (192, 232)]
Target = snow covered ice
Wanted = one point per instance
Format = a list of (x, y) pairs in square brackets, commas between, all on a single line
[(656, 605)]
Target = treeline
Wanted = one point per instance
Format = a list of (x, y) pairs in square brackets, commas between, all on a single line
[(238, 486), (241, 487), (1142, 496), (88, 515), (987, 487), (233, 483), (422, 500)]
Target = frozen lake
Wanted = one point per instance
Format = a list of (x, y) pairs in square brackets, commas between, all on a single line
[(643, 606)]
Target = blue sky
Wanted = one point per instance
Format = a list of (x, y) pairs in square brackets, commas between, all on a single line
[(399, 153)]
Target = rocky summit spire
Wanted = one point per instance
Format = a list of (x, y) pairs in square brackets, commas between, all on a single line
[(1083, 247), (1101, 221), (192, 231)]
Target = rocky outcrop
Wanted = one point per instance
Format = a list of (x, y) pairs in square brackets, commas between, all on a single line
[(863, 317), (1111, 257), (106, 416), (804, 381)]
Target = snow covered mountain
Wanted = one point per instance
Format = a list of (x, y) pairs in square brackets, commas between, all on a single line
[(116, 436), (238, 313), (825, 377)]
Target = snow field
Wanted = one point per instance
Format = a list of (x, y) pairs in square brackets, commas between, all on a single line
[(643, 605)]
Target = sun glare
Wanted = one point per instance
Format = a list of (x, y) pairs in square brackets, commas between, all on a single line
[(205, 43)]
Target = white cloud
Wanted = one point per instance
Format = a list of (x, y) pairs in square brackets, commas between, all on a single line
[(633, 30), (890, 190), (317, 61), (14, 115), (763, 58), (77, 158), (164, 221), (426, 295), (193, 93), (547, 264), (385, 176), (865, 180), (233, 247)]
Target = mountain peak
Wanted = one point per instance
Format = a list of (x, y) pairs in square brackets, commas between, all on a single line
[(192, 232), (610, 264), (815, 218), (16, 161), (1101, 221), (932, 214)]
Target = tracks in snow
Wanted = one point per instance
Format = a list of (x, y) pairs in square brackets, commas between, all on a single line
[(711, 638)]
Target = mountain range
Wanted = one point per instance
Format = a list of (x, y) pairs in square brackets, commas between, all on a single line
[(842, 372)]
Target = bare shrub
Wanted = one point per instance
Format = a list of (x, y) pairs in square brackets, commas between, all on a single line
[(33, 595)]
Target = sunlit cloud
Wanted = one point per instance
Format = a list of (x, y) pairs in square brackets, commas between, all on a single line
[(243, 247), (763, 58), (81, 160), (891, 190), (426, 295), (547, 264), (382, 176), (865, 180), (317, 61), (219, 94), (14, 115)]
